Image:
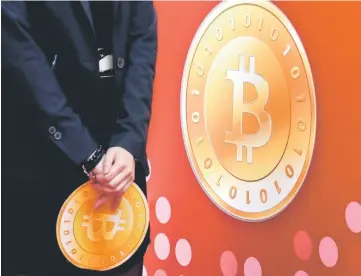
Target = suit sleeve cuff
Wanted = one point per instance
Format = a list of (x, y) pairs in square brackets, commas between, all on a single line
[(134, 147), (77, 144)]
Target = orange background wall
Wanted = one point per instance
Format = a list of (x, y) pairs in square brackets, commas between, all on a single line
[(331, 35)]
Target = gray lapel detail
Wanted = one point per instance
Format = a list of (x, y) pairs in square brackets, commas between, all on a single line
[(86, 7)]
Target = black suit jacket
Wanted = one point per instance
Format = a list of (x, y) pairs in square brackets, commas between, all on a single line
[(54, 114)]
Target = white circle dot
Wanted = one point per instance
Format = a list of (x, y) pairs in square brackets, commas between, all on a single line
[(163, 210), (144, 271), (160, 272), (252, 267), (150, 171), (328, 252), (229, 264), (183, 252), (353, 216), (161, 246), (301, 273)]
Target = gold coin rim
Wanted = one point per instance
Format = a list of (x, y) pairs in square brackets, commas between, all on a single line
[(213, 196), (108, 267)]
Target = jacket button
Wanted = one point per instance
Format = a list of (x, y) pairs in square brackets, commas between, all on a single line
[(52, 130), (57, 136), (120, 62)]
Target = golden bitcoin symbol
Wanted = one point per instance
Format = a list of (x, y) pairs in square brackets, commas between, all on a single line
[(102, 232), (237, 137), (249, 129), (100, 239)]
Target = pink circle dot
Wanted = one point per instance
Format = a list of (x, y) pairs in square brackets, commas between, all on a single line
[(252, 267), (161, 246), (144, 271), (150, 171), (183, 252), (301, 273), (160, 272), (302, 245), (228, 262), (328, 252), (353, 216), (163, 210)]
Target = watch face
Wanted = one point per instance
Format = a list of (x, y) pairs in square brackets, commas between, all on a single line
[(93, 161), (106, 68)]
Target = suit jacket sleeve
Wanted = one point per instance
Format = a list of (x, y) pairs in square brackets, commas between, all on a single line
[(132, 125), (36, 84)]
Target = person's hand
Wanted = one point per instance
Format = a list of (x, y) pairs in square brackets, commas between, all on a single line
[(119, 169), (113, 175), (97, 174), (99, 183)]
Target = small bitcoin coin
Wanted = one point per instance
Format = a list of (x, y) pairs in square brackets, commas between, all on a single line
[(104, 238), (248, 109)]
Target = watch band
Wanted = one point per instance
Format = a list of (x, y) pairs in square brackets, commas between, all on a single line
[(93, 160)]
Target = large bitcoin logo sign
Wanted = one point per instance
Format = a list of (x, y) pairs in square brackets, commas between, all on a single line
[(105, 238), (248, 109), (239, 78)]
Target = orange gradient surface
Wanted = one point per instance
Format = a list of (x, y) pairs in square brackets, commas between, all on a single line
[(104, 238), (290, 242)]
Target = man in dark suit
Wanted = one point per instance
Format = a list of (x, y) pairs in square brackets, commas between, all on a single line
[(77, 81)]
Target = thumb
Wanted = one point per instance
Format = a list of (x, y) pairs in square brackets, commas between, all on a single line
[(108, 161)]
